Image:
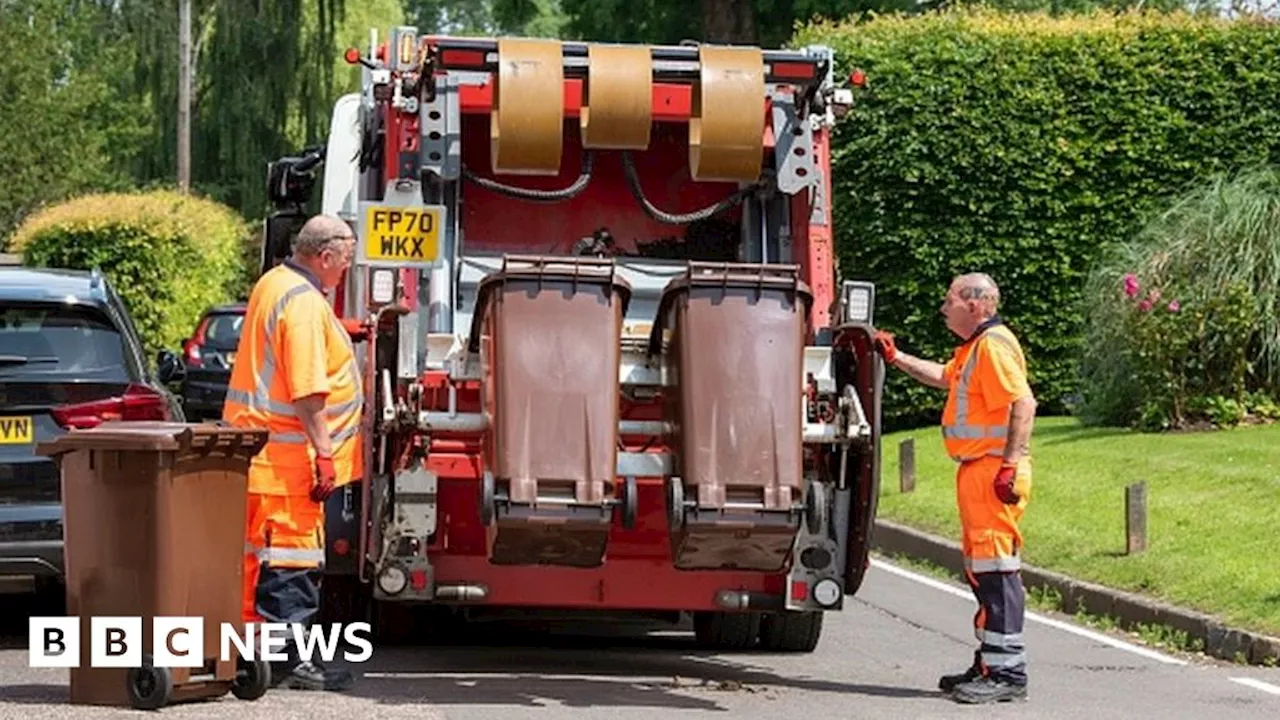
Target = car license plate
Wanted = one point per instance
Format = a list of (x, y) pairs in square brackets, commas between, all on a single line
[(16, 431), (400, 235)]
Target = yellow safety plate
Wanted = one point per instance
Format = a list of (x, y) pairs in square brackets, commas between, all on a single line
[(400, 235), (16, 431)]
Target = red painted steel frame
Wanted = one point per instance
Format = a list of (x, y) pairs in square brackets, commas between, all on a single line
[(638, 573)]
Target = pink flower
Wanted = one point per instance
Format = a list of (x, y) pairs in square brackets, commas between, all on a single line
[(1174, 306), (1130, 284), (1145, 305)]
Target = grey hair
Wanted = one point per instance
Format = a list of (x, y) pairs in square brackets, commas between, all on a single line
[(319, 233), (978, 286)]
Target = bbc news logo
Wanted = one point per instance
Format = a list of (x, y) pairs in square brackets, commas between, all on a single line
[(117, 642)]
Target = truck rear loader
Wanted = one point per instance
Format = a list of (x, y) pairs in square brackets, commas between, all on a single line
[(615, 372)]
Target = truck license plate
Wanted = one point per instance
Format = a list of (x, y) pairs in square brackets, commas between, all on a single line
[(16, 431), (401, 235)]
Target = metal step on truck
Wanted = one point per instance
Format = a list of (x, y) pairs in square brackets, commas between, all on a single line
[(616, 371)]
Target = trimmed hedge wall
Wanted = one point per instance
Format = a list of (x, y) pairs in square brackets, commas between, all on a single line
[(169, 256), (1022, 145)]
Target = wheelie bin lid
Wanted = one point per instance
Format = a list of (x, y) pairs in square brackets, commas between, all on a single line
[(132, 435), (576, 270), (726, 275)]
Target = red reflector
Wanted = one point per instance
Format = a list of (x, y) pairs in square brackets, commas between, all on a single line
[(799, 590), (793, 70), (341, 546), (418, 578), (352, 56), (462, 58)]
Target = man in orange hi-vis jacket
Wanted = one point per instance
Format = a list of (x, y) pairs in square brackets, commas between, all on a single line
[(296, 376), (986, 427)]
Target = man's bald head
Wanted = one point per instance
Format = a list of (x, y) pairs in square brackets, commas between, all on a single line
[(972, 300), (978, 286), (319, 233), (325, 246)]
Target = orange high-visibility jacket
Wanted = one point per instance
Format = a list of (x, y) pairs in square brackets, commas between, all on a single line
[(293, 345), (986, 375)]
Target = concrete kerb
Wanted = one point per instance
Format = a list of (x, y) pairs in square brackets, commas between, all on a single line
[(1129, 610)]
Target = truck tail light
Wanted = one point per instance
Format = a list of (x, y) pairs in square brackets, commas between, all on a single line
[(136, 403)]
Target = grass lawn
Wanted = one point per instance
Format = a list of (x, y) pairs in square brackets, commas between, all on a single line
[(1213, 500)]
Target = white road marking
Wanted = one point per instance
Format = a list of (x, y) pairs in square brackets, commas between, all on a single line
[(1258, 685), (1065, 627)]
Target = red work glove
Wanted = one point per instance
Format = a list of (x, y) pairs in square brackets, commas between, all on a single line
[(1004, 484), (325, 478), (885, 346), (357, 329)]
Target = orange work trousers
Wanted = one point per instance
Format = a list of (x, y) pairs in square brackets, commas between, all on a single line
[(284, 554), (992, 544)]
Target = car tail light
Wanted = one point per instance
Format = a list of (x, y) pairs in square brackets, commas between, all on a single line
[(136, 403), (191, 348), (191, 353)]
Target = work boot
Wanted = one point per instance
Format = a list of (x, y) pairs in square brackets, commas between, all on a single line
[(312, 676), (947, 683), (988, 690)]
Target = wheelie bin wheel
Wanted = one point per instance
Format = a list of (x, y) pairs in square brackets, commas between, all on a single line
[(488, 499), (629, 504), (253, 678), (675, 502), (150, 687)]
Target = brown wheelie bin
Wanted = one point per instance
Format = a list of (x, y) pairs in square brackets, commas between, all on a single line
[(154, 526), (735, 348), (548, 332)]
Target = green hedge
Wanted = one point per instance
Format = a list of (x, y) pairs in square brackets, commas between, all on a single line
[(1023, 145), (169, 256)]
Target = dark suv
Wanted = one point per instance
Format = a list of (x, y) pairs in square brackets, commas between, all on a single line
[(70, 357), (208, 355)]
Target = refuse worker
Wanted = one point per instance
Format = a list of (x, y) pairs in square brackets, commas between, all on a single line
[(986, 427), (296, 376)]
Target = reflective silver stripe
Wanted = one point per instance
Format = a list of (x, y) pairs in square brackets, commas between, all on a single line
[(288, 438), (342, 435), (975, 432), (297, 438), (1003, 660), (999, 639), (251, 549), (356, 403), (1005, 564), (292, 554)]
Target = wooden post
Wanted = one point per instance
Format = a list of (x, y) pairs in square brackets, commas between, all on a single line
[(907, 465), (1135, 512)]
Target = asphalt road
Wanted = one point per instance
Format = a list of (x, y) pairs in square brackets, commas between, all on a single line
[(880, 658)]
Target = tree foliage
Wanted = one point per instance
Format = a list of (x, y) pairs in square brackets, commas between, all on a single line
[(1023, 145), (68, 128)]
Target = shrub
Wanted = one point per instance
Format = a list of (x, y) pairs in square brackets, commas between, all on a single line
[(170, 256), (1182, 320), (1023, 145)]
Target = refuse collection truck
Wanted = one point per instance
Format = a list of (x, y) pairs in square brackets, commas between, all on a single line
[(616, 371)]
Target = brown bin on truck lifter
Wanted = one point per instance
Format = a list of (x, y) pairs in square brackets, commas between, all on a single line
[(154, 525), (736, 351), (548, 329)]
